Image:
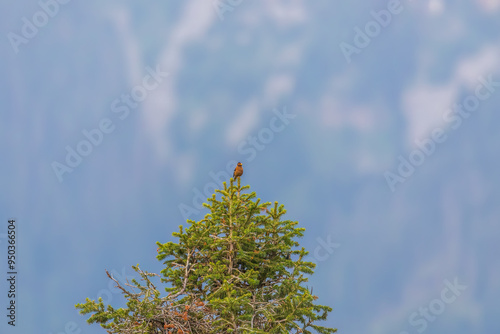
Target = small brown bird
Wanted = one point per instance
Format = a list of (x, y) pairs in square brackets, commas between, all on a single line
[(238, 171)]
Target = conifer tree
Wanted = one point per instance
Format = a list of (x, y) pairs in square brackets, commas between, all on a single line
[(238, 270)]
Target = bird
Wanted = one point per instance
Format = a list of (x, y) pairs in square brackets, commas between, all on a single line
[(238, 171)]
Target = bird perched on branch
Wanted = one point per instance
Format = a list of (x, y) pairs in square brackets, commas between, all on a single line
[(238, 171)]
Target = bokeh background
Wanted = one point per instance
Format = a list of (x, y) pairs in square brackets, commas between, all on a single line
[(230, 71)]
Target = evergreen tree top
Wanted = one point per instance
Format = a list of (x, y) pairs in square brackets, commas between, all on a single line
[(237, 270)]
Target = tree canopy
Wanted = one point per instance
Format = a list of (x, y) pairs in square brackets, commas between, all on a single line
[(238, 270)]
